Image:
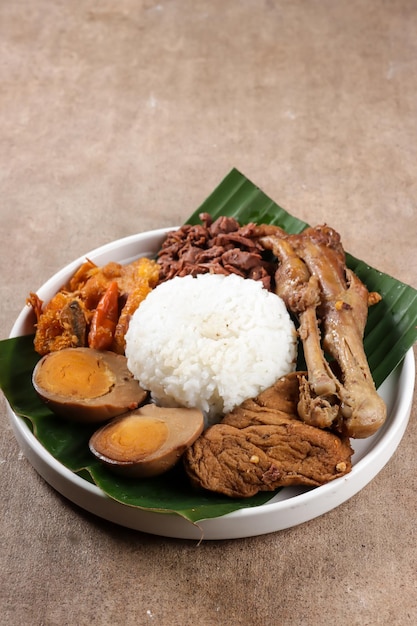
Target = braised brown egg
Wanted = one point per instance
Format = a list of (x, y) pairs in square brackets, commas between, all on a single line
[(87, 385), (148, 441)]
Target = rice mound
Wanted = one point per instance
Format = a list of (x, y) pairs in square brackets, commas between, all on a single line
[(210, 342)]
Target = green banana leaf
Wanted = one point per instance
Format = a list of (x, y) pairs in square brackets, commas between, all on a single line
[(390, 332)]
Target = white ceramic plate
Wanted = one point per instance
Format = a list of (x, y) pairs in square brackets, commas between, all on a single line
[(290, 507)]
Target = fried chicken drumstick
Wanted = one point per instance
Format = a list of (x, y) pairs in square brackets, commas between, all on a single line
[(331, 305)]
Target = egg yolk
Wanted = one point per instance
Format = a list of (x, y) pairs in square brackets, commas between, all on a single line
[(78, 375), (133, 439)]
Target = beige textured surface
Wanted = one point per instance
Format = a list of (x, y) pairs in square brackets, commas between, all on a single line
[(118, 117)]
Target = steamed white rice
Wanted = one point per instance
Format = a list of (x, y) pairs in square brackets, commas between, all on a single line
[(210, 342)]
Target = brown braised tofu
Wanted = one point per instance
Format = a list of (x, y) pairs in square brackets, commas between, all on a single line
[(262, 445)]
